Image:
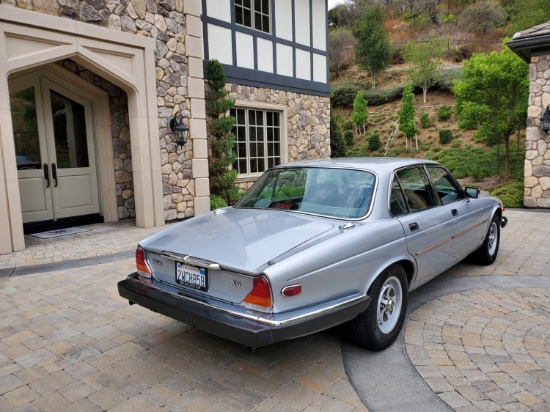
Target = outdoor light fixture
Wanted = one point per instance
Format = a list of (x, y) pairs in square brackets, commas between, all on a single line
[(545, 120), (181, 131)]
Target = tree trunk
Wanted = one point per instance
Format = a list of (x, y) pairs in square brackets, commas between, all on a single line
[(373, 81), (507, 158), (424, 94)]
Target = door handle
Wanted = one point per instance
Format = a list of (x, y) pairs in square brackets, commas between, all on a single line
[(54, 174), (454, 212), (413, 226), (46, 174)]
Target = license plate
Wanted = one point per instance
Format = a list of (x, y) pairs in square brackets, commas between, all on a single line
[(191, 276)]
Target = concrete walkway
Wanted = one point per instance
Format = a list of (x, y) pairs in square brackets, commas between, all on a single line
[(476, 339)]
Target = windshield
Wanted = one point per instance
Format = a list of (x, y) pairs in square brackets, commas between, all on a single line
[(340, 193)]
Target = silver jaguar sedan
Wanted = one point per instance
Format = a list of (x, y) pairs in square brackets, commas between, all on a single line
[(315, 244)]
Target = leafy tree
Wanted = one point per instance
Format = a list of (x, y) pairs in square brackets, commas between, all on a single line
[(373, 50), (482, 17), (424, 59), (340, 40), (360, 113), (524, 14), (337, 144), (220, 132), (492, 93), (407, 113)]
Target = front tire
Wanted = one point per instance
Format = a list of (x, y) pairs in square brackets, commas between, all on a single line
[(488, 251), (378, 327)]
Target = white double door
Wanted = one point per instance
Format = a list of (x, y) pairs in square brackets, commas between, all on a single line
[(54, 144)]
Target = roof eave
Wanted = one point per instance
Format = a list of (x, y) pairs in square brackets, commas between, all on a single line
[(529, 46)]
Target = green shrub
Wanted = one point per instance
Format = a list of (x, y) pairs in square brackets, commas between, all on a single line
[(425, 120), (347, 125), (444, 113), (445, 136), (456, 144), (461, 53), (424, 146), (510, 193), (217, 202), (436, 149), (348, 137), (374, 142)]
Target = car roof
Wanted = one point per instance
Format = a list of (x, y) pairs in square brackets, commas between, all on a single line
[(367, 163)]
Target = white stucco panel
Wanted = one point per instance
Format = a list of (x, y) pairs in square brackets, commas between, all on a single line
[(219, 9), (301, 22), (283, 19), (219, 44), (285, 60), (303, 64), (319, 24), (265, 55), (245, 50), (319, 68)]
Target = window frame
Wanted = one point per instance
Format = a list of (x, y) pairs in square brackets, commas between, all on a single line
[(431, 199), (283, 144), (239, 10), (450, 178)]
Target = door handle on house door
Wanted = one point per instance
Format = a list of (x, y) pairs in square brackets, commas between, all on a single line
[(54, 174), (46, 175)]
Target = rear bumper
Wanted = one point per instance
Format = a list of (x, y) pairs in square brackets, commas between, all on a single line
[(241, 327)]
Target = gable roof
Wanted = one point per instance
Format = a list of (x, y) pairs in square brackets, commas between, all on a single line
[(535, 40)]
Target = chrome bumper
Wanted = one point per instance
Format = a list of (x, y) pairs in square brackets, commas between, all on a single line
[(239, 326)]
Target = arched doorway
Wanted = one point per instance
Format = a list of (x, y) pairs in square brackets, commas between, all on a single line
[(55, 146), (126, 60)]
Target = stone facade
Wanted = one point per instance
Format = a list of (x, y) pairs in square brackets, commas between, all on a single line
[(308, 121), (164, 21), (537, 159)]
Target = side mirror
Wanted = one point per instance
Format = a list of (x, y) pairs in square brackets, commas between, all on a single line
[(471, 192)]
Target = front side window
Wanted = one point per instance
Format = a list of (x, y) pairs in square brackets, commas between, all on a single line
[(253, 14), (446, 187), (338, 193), (416, 188), (258, 140)]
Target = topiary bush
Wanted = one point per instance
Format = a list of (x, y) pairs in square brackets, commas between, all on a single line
[(425, 120), (444, 113), (374, 142), (349, 138), (445, 136)]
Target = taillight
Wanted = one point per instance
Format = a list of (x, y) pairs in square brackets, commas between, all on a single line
[(141, 264), (260, 294)]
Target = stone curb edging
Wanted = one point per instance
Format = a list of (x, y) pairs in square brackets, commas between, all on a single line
[(400, 388)]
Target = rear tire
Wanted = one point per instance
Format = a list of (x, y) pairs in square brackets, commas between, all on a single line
[(488, 251), (378, 326)]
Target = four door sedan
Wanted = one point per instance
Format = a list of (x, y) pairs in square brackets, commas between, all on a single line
[(315, 244)]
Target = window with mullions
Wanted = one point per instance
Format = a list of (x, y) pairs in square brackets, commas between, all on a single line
[(253, 14), (258, 140)]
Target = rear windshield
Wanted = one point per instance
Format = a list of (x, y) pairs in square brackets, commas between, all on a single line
[(340, 193)]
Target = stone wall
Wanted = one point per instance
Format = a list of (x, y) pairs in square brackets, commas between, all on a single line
[(308, 121), (537, 158), (164, 21)]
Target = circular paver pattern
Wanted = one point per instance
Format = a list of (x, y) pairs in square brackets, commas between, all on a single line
[(486, 350)]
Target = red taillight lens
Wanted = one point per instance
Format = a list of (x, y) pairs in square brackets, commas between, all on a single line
[(260, 294), (141, 264)]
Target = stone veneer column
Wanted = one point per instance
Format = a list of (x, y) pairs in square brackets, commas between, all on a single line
[(192, 10), (537, 157)]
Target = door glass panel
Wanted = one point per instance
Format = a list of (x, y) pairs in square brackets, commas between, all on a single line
[(25, 129), (69, 125)]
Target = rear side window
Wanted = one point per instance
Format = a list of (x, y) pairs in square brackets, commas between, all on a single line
[(447, 189), (416, 189)]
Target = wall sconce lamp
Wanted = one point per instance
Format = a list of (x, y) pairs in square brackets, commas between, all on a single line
[(545, 120), (180, 130)]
